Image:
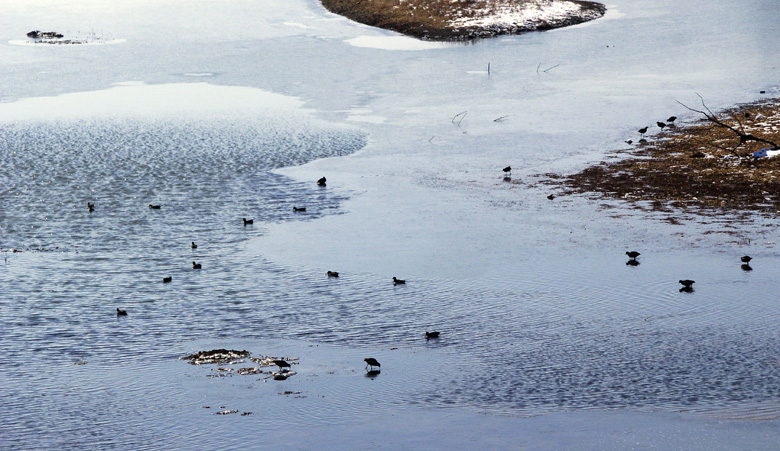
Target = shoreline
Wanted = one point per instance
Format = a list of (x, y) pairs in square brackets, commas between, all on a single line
[(449, 21), (696, 167)]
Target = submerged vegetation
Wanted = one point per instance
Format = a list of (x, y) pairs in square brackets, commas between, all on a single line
[(460, 20)]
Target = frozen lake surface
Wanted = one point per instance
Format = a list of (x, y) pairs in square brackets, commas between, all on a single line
[(549, 340)]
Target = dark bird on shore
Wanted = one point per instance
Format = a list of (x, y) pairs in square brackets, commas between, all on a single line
[(660, 124), (167, 279), (248, 221), (507, 171), (642, 131), (194, 246), (281, 364), (671, 119), (633, 254), (398, 281), (372, 363), (746, 267), (299, 208), (196, 265), (333, 274), (551, 196), (121, 312), (746, 259), (322, 181), (155, 207), (90, 206), (429, 335)]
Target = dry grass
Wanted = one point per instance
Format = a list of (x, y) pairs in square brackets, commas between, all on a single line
[(695, 167), (433, 19)]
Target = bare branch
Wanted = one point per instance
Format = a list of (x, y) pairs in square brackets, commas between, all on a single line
[(743, 137)]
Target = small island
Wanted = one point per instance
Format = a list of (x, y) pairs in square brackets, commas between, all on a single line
[(725, 162), (466, 20)]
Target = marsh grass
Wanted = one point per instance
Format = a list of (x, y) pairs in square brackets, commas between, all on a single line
[(695, 166)]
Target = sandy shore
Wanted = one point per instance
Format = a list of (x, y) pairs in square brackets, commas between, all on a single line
[(699, 166), (464, 21)]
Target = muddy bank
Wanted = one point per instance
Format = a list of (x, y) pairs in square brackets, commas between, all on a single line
[(466, 20), (700, 166)]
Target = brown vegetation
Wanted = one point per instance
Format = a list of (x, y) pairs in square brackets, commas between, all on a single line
[(705, 166), (432, 19)]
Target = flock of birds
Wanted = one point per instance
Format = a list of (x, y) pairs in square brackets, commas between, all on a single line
[(669, 123), (282, 364), (687, 284)]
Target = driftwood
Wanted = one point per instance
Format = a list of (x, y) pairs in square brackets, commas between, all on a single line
[(743, 137)]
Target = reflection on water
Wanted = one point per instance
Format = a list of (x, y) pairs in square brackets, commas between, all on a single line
[(559, 337)]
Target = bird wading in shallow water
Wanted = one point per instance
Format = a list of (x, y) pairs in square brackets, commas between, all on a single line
[(633, 254), (398, 281), (687, 285), (281, 364), (507, 171), (333, 274), (248, 221), (371, 362), (746, 259), (121, 312), (196, 265), (194, 246), (642, 132)]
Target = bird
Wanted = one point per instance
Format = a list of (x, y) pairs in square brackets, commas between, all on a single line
[(687, 286), (551, 196), (281, 364), (642, 131), (333, 274), (507, 171), (671, 119), (746, 259), (155, 207), (629, 141), (299, 208), (90, 206), (196, 265), (633, 254), (248, 221), (322, 181), (194, 246), (167, 279), (661, 124), (121, 312), (398, 281), (372, 362), (429, 335)]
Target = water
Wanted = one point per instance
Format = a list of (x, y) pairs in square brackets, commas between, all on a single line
[(541, 315)]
